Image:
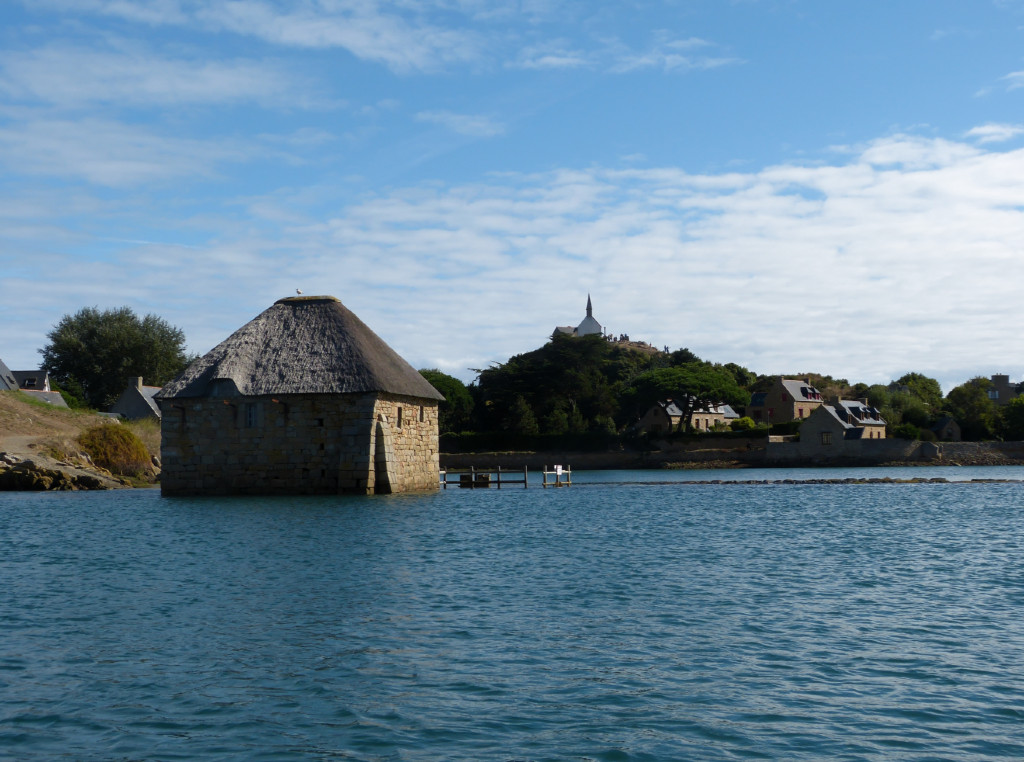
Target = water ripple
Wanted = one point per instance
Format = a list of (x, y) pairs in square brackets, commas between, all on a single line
[(630, 622)]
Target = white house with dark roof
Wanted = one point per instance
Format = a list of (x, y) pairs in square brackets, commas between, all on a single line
[(35, 383), (32, 380)]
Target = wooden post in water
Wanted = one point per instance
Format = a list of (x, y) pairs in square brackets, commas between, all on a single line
[(557, 472)]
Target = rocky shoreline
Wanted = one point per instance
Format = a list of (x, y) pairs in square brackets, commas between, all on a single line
[(34, 475)]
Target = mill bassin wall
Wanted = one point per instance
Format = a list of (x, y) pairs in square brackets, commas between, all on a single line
[(299, 444)]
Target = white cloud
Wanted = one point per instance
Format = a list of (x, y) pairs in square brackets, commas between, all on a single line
[(1014, 80), (473, 125), (671, 55), (108, 153), (153, 12), (362, 28), (399, 38), (903, 256), (552, 54), (995, 133), (68, 76)]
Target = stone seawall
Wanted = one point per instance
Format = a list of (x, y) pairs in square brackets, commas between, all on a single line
[(753, 454)]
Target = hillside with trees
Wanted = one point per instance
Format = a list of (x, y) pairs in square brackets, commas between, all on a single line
[(589, 392)]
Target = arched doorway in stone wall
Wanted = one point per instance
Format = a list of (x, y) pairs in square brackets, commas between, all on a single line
[(383, 459)]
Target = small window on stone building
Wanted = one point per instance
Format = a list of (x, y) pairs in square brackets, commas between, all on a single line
[(319, 421), (826, 437), (250, 415), (421, 414), (398, 421)]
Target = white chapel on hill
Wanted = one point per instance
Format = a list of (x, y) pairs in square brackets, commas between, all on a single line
[(589, 326)]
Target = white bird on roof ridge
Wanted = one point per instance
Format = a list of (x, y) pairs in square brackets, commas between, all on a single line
[(298, 291)]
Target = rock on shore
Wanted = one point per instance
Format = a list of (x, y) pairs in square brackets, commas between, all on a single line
[(29, 476)]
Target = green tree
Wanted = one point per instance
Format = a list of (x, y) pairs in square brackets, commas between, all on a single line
[(924, 388), (455, 413), (99, 351), (571, 384), (743, 376), (694, 386), (970, 405), (520, 419), (1013, 419)]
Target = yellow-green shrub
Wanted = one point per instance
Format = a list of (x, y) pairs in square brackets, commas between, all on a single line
[(116, 448)]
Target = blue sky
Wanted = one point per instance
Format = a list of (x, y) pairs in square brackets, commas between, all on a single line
[(789, 185)]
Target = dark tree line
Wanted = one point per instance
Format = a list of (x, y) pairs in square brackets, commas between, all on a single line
[(584, 386)]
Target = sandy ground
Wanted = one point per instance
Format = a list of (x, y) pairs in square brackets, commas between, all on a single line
[(27, 431)]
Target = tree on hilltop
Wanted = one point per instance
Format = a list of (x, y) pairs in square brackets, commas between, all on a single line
[(694, 386), (924, 388), (455, 412), (97, 351)]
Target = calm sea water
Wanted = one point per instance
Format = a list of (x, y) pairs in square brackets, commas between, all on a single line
[(608, 621)]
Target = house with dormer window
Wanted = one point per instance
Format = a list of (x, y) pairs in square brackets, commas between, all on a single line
[(789, 399)]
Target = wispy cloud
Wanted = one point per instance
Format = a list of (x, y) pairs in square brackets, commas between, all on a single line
[(108, 153), (75, 76), (995, 133), (552, 54), (1014, 80), (418, 37), (472, 125), (672, 55), (908, 232), (378, 32)]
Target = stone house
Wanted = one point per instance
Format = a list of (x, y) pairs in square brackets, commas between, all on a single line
[(663, 417), (137, 402), (861, 415), (787, 400), (303, 399), (946, 429), (827, 430), (1002, 390)]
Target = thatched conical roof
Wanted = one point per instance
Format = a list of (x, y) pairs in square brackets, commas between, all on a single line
[(301, 345)]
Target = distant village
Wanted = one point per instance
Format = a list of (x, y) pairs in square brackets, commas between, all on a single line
[(829, 428)]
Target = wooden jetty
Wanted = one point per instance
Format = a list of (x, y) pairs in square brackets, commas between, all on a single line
[(483, 478)]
